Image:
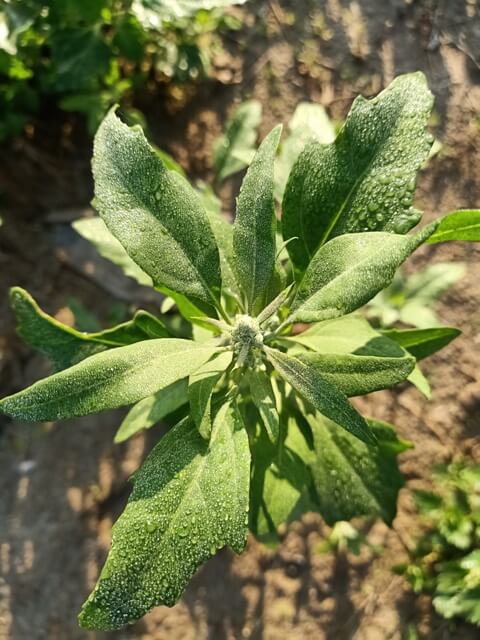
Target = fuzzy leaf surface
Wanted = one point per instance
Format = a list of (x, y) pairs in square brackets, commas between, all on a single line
[(349, 271), (149, 411), (154, 213), (108, 380), (223, 232), (66, 346), (352, 478), (458, 225), (365, 180), (189, 499), (321, 394), (357, 375), (254, 239)]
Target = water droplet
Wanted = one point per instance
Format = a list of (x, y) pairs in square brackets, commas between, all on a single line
[(383, 178), (151, 526)]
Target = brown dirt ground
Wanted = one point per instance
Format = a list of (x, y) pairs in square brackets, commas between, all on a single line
[(64, 484)]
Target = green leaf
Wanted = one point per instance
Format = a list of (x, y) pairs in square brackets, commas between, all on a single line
[(235, 149), (281, 487), (66, 346), (309, 122), (192, 312), (200, 388), (108, 380), (321, 394), (349, 271), (95, 231), (80, 56), (357, 375), (348, 334), (154, 213), (458, 225), (223, 232), (254, 240), (352, 478), (151, 326), (189, 499), (274, 306), (167, 160), (264, 399), (423, 342), (149, 411), (365, 180), (418, 379)]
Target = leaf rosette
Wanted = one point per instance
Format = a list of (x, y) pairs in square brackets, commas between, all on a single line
[(266, 429)]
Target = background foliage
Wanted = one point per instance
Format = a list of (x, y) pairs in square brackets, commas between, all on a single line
[(85, 56)]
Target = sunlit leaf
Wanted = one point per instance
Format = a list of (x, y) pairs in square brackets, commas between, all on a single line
[(189, 499), (365, 180)]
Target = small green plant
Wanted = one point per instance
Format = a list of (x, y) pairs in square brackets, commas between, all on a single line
[(445, 561), (88, 55), (410, 299), (344, 537), (267, 431)]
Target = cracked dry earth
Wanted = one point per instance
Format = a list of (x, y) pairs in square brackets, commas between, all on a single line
[(64, 484)]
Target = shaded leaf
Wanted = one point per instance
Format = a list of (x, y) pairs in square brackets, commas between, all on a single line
[(108, 380), (254, 240), (429, 284), (149, 411), (201, 384), (223, 232), (189, 499), (282, 484), (352, 478), (365, 180), (423, 342), (264, 399), (321, 394), (95, 231)]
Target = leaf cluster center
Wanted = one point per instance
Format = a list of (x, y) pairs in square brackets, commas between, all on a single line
[(246, 336)]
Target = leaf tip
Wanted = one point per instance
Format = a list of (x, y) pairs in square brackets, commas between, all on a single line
[(93, 617), (17, 294)]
